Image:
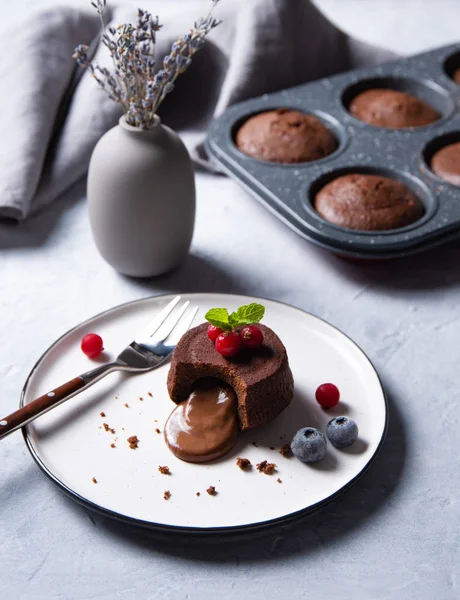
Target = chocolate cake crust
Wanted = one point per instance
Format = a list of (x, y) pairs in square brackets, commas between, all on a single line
[(368, 203), (261, 379), (446, 163), (391, 108), (285, 136)]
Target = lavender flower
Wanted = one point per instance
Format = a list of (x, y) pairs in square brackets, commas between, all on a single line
[(133, 82)]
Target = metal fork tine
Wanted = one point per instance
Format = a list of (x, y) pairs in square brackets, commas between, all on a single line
[(171, 324), (156, 323), (178, 331)]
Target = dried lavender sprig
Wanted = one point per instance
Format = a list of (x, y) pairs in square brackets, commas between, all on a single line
[(132, 48), (177, 63)]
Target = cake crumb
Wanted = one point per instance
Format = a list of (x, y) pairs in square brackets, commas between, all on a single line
[(155, 420), (112, 445), (108, 428), (94, 480), (212, 490), (127, 405), (198, 494), (279, 480), (122, 428), (157, 430), (133, 442), (164, 470), (167, 495), (266, 467), (243, 463), (150, 394), (286, 451), (269, 468), (140, 398), (102, 414)]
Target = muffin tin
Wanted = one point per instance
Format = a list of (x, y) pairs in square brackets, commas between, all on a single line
[(288, 190)]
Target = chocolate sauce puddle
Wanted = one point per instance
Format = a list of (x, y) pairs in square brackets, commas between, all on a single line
[(203, 427)]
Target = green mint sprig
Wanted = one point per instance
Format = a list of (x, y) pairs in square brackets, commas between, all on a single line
[(245, 315)]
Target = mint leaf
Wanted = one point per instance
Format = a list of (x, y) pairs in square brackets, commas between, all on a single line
[(219, 318), (233, 319), (249, 314)]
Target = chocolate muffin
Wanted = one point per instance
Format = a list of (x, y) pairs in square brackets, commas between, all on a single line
[(456, 76), (389, 108), (446, 163), (368, 203), (285, 136), (261, 379)]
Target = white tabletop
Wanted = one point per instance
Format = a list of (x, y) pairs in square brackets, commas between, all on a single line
[(393, 535)]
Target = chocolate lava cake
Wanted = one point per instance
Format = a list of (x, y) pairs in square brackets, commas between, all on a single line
[(391, 108), (446, 163), (368, 203), (261, 379), (285, 136)]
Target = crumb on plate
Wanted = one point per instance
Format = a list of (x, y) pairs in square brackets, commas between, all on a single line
[(286, 451), (94, 480), (157, 430), (266, 467), (164, 470), (167, 495), (279, 480), (243, 463), (212, 490), (150, 394), (102, 414), (133, 442)]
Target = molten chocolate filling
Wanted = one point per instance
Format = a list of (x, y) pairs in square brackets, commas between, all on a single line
[(203, 427)]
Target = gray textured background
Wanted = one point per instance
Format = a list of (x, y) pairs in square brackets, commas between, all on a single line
[(394, 535)]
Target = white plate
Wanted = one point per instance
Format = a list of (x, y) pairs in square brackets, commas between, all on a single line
[(71, 446)]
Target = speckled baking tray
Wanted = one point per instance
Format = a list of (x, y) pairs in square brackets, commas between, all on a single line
[(403, 154)]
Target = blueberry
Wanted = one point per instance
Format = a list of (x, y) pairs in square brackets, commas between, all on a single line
[(309, 445), (342, 432)]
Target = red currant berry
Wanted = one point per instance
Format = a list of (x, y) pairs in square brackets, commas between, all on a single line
[(213, 332), (327, 395), (228, 343), (251, 337), (92, 345)]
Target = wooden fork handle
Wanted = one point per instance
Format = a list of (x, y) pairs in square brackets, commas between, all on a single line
[(37, 407)]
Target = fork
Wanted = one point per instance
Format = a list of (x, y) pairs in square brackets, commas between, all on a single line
[(150, 349)]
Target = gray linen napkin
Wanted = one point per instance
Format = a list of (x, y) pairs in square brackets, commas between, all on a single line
[(51, 116)]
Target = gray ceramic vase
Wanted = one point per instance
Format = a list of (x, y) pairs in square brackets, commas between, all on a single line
[(141, 198)]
